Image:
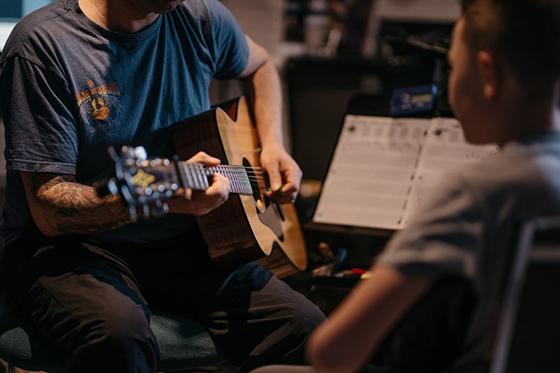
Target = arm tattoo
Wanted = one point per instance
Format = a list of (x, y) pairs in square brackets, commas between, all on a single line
[(75, 208)]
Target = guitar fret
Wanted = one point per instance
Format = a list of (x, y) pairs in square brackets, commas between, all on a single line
[(206, 175), (237, 176), (233, 184), (197, 178), (218, 170), (234, 181), (192, 180), (243, 180), (187, 178), (198, 172), (246, 183), (222, 171)]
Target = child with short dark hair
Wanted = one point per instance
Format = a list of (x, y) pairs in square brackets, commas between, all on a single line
[(504, 88)]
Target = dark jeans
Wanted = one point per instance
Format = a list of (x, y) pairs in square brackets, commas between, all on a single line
[(94, 304)]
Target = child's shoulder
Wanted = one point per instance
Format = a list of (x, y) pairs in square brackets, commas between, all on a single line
[(518, 167)]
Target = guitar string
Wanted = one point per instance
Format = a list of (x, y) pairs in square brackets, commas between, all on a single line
[(222, 165), (254, 174), (240, 178), (257, 175), (230, 168), (233, 167), (248, 170)]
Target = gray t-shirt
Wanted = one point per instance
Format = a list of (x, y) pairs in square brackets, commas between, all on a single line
[(69, 89), (468, 226)]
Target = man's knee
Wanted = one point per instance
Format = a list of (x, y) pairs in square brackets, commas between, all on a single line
[(286, 342), (123, 342), (126, 331), (304, 315)]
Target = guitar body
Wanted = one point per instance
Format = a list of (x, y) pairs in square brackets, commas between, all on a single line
[(244, 228)]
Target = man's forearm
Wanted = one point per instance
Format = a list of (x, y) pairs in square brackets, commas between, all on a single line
[(62, 206), (266, 93)]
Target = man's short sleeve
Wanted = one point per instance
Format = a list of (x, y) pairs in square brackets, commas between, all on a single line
[(41, 134), (230, 49), (444, 236)]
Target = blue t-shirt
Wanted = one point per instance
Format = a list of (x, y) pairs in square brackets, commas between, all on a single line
[(69, 89)]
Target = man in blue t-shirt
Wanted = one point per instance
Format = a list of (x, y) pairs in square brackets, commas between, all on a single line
[(78, 76)]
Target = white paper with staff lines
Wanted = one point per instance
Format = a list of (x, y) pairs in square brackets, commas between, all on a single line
[(383, 168)]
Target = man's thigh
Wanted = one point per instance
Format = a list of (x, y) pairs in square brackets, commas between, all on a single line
[(71, 293)]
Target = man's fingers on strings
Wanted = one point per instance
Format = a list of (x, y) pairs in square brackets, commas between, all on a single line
[(286, 194), (274, 177), (289, 188), (292, 175)]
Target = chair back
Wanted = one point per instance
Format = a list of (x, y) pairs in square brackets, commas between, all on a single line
[(528, 333)]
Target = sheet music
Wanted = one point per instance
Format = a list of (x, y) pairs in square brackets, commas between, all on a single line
[(383, 167), (371, 174), (445, 150)]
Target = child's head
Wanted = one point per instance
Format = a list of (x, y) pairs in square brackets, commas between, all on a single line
[(503, 52)]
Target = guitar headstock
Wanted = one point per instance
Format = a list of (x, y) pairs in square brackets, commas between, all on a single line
[(142, 182)]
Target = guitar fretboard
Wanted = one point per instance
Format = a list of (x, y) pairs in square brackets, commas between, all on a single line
[(195, 176)]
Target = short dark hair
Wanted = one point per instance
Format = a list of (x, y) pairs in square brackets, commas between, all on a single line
[(525, 32)]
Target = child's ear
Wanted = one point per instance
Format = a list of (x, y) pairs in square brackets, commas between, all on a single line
[(490, 74)]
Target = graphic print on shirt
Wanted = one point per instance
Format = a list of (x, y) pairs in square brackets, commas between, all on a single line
[(99, 105)]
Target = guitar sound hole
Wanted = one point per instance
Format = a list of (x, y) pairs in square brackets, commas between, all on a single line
[(279, 211), (269, 214), (256, 187)]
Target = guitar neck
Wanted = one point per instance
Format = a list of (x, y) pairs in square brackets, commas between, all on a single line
[(243, 180)]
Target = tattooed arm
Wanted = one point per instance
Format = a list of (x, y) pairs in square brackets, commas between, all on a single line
[(59, 205)]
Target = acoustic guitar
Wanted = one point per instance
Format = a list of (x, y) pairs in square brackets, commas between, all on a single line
[(249, 225)]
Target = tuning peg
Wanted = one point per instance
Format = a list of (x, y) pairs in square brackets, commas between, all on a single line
[(146, 211), (129, 151), (159, 209), (133, 214), (140, 153)]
